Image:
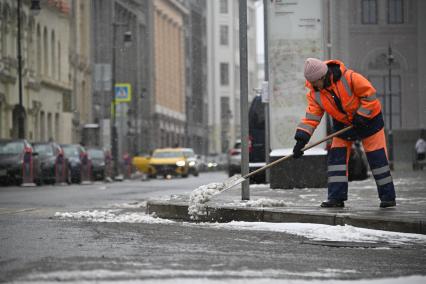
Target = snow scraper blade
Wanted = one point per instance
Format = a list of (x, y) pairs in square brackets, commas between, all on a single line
[(231, 182)]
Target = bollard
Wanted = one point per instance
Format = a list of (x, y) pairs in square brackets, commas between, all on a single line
[(60, 170), (27, 168), (127, 166), (108, 166), (85, 170)]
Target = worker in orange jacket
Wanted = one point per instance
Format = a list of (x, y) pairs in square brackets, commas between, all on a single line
[(349, 99)]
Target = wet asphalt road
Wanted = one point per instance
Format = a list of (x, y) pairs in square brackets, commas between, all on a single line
[(37, 246)]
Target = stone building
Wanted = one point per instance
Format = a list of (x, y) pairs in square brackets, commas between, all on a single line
[(169, 72), (362, 34), (80, 59), (196, 132), (111, 21), (46, 85), (224, 76)]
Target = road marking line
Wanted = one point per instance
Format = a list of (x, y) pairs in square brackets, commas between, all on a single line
[(4, 211)]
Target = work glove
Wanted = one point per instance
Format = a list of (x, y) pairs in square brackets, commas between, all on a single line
[(297, 150), (360, 121)]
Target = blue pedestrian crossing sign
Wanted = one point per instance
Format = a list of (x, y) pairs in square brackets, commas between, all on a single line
[(123, 93)]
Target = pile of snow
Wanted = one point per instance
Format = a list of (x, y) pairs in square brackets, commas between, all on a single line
[(112, 216), (200, 196), (320, 232), (264, 202)]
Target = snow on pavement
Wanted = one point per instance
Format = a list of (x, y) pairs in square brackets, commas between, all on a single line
[(176, 276), (316, 232), (112, 216), (320, 232)]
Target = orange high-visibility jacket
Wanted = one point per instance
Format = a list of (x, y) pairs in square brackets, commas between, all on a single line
[(355, 92)]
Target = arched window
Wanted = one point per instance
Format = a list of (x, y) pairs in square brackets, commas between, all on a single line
[(30, 44), (42, 126), (38, 68), (59, 60), (57, 126), (45, 53), (53, 53), (4, 34), (378, 69)]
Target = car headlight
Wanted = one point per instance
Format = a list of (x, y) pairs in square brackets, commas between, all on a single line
[(192, 163), (180, 163)]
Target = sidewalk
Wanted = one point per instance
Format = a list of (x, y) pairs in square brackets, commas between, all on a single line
[(302, 205)]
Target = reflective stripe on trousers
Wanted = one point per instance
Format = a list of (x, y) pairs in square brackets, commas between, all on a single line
[(375, 149), (337, 173)]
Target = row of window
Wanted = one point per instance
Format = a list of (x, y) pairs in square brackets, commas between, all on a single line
[(41, 49), (370, 10)]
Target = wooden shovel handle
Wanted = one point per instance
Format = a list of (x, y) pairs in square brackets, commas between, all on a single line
[(337, 133)]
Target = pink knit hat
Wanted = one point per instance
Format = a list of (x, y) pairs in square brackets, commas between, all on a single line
[(315, 69)]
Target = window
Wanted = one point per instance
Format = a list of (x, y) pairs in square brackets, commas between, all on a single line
[(369, 11), (223, 6), (381, 83), (224, 74), (224, 30), (46, 53), (395, 12), (53, 53)]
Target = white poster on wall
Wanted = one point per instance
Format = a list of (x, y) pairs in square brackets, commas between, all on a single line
[(296, 33)]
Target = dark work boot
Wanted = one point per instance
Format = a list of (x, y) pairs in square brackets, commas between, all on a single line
[(333, 203), (385, 204)]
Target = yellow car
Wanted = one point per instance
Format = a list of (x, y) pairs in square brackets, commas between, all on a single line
[(141, 163), (169, 161)]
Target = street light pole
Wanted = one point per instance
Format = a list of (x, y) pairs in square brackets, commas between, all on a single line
[(20, 109), (390, 61), (114, 134)]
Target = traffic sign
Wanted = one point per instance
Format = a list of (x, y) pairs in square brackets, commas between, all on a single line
[(123, 93)]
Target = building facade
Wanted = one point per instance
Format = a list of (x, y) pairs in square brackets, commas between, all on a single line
[(365, 34), (111, 21), (80, 59), (196, 130), (46, 85), (169, 85), (223, 65)]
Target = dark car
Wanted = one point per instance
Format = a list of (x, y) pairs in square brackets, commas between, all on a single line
[(77, 158), (51, 156), (12, 156), (97, 157), (193, 161)]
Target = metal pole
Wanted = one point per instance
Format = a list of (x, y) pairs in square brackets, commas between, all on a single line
[(267, 123), (114, 136), (390, 59), (21, 116), (245, 193)]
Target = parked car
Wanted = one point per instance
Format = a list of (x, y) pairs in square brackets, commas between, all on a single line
[(193, 161), (97, 157), (12, 155), (169, 161), (50, 153), (76, 155)]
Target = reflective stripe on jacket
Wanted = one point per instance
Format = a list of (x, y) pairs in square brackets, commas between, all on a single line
[(355, 92)]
